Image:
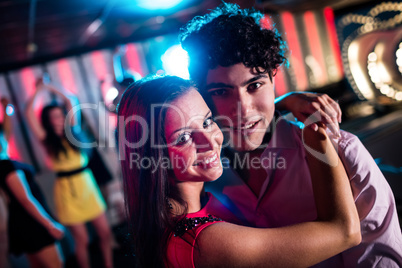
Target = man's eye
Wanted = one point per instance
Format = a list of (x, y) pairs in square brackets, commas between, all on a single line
[(254, 86), (208, 122), (183, 138), (218, 92)]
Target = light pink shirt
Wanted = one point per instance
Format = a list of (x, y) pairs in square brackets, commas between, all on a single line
[(286, 197)]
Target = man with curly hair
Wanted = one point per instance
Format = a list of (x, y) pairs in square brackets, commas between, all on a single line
[(267, 183)]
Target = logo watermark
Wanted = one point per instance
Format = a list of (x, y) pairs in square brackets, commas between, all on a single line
[(108, 123)]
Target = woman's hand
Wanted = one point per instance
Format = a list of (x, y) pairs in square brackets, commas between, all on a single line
[(39, 84), (313, 108), (56, 230)]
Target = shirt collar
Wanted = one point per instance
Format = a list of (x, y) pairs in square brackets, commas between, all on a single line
[(283, 136)]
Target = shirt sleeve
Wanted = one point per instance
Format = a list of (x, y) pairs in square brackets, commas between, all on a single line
[(370, 188), (375, 203)]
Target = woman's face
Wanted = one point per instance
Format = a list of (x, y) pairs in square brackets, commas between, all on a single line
[(56, 117), (194, 140)]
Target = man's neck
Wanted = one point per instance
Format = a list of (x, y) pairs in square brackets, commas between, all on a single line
[(251, 173), (248, 166)]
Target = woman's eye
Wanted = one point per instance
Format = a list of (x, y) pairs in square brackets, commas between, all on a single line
[(183, 138), (254, 86), (208, 122), (218, 92)]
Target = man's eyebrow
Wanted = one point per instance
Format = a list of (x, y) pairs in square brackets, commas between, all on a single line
[(223, 85), (255, 78), (183, 128)]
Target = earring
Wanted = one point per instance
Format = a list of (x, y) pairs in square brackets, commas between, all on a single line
[(168, 203)]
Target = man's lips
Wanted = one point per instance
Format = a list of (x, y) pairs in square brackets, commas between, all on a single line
[(246, 126)]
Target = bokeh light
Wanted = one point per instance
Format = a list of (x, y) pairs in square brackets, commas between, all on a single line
[(158, 4), (175, 62)]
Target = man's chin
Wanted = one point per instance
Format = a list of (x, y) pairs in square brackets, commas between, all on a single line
[(241, 144), (246, 146)]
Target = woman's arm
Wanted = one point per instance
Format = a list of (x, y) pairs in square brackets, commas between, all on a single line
[(336, 229), (33, 121), (68, 100), (18, 185), (36, 127)]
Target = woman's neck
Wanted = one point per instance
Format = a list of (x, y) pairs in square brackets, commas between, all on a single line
[(192, 193)]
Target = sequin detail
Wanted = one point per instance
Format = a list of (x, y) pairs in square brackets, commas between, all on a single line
[(189, 223)]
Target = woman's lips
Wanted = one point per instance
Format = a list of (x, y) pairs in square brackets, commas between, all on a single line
[(210, 161)]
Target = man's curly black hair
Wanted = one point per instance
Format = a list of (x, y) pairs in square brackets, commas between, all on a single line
[(230, 35)]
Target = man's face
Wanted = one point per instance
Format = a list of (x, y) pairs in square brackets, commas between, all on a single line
[(244, 102)]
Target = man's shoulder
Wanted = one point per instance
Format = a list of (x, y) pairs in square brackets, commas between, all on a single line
[(285, 133), (289, 134), (347, 138)]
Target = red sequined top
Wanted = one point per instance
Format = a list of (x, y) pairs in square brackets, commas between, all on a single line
[(182, 243)]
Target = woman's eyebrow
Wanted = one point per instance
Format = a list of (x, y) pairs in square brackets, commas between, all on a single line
[(183, 128), (217, 85)]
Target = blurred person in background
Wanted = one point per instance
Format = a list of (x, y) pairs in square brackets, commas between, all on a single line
[(77, 197), (30, 228)]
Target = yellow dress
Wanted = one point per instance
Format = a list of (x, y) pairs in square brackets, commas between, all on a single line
[(77, 197)]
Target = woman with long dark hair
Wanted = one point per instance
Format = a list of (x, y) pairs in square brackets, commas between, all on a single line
[(76, 195), (170, 145), (31, 230)]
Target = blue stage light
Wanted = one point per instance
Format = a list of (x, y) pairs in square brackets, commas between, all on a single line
[(158, 4), (10, 109), (175, 62)]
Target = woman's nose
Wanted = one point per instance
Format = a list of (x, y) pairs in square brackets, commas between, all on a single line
[(205, 141)]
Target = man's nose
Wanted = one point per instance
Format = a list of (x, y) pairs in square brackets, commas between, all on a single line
[(242, 105)]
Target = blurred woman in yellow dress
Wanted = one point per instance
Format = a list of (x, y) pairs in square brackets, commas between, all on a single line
[(76, 195)]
